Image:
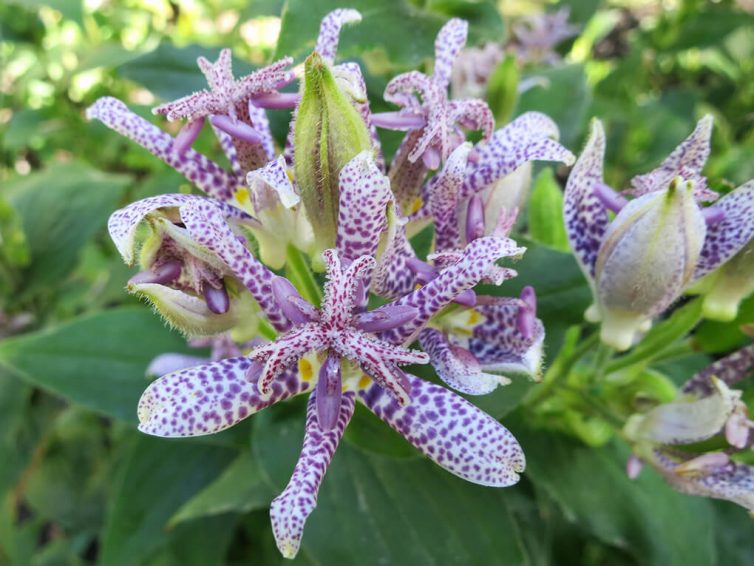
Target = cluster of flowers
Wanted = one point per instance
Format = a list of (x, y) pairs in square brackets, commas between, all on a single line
[(329, 203)]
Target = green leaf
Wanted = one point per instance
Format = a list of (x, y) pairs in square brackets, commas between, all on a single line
[(97, 360), (546, 212), (241, 488), (644, 517), (156, 477), (60, 209), (564, 96), (376, 510)]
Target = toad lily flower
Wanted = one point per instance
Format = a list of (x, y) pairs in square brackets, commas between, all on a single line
[(659, 243), (707, 407), (234, 107), (190, 284), (340, 353)]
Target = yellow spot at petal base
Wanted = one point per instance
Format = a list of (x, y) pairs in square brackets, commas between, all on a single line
[(305, 369), (364, 381)]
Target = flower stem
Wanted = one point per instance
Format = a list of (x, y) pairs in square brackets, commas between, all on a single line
[(300, 274)]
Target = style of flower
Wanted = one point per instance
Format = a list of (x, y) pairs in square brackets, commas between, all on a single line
[(707, 407), (199, 272), (660, 242)]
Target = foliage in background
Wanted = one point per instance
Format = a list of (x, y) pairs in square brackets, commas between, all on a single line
[(78, 484)]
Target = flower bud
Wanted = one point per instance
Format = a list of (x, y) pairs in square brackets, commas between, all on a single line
[(646, 260), (329, 132)]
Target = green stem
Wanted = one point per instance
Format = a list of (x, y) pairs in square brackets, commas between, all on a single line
[(300, 274), (560, 370), (601, 361)]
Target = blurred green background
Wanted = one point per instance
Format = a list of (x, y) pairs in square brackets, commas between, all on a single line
[(79, 484)]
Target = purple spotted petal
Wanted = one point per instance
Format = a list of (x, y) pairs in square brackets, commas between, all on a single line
[(270, 186), (123, 223), (407, 176), (200, 170), (227, 94), (168, 363), (278, 356), (725, 238), (291, 508), (474, 265), (258, 117), (329, 32), (688, 158), (206, 225), (208, 398), (444, 196), (451, 431), (498, 343), (362, 213), (472, 114), (731, 481), (457, 366), (585, 216), (449, 42), (730, 369), (226, 143), (529, 137), (393, 277)]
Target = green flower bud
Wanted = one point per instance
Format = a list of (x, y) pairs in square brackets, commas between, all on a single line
[(329, 132)]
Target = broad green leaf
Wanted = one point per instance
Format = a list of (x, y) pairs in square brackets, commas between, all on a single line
[(239, 489), (156, 476), (198, 543), (97, 361), (60, 209), (644, 517), (563, 95), (546, 212), (376, 510)]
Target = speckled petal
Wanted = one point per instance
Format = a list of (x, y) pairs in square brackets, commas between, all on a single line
[(725, 238), (362, 214), (529, 137), (586, 218), (498, 343), (449, 42), (689, 157), (206, 225), (208, 398), (732, 482), (226, 143), (444, 196), (329, 31), (272, 177), (451, 431), (472, 114), (200, 170), (731, 369), (685, 421), (340, 289), (456, 366), (290, 509), (392, 277), (278, 356), (123, 223), (258, 117), (474, 265), (380, 360)]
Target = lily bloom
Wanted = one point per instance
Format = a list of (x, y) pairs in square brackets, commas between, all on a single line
[(660, 242), (706, 407), (340, 353)]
